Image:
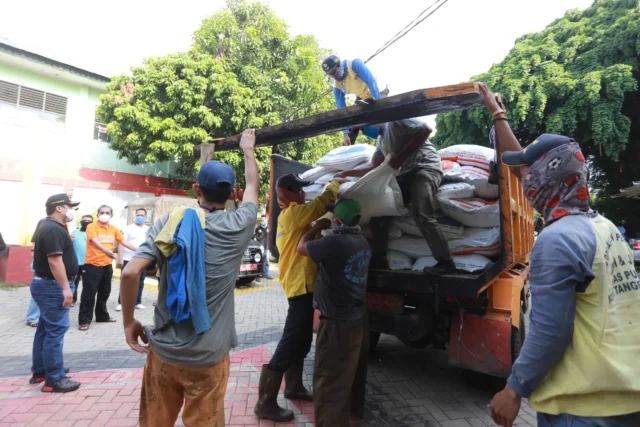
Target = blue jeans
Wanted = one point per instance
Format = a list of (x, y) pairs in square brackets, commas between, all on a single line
[(266, 264), (53, 324), (143, 276), (33, 312), (567, 420)]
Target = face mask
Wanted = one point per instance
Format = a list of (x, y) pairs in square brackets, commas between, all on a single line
[(70, 215), (263, 224), (104, 218), (83, 225), (139, 220)]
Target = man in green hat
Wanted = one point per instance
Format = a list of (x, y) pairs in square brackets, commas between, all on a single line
[(340, 370)]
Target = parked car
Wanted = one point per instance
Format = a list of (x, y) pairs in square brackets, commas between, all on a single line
[(252, 265), (635, 246)]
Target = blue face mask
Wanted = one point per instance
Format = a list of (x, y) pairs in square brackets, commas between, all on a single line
[(139, 220)]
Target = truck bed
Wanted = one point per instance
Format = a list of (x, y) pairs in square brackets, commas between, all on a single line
[(454, 285)]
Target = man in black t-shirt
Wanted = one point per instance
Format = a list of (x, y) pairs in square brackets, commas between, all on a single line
[(55, 264), (340, 370)]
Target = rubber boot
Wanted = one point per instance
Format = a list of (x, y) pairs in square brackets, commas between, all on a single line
[(442, 268), (293, 387), (267, 406)]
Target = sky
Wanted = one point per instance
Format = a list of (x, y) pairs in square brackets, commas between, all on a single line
[(463, 38)]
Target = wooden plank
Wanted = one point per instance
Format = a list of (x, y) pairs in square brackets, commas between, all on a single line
[(416, 103)]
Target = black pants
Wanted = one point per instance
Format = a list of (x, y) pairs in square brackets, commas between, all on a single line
[(76, 280), (340, 371), (297, 335), (97, 280), (353, 133)]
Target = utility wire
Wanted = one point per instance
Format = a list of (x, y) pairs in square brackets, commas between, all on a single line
[(403, 33)]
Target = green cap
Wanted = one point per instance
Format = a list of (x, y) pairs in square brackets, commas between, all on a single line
[(345, 210)]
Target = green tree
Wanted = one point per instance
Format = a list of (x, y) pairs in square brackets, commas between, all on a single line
[(243, 70), (578, 77)]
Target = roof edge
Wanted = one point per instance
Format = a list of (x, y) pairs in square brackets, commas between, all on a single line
[(52, 62)]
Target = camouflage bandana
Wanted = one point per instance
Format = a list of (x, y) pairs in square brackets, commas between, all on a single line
[(556, 184)]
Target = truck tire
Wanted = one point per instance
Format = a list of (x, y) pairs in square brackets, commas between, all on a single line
[(421, 343), (517, 338), (374, 337)]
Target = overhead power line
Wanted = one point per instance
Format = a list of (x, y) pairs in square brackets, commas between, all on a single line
[(400, 34)]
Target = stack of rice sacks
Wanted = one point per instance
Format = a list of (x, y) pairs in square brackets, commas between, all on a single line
[(468, 216)]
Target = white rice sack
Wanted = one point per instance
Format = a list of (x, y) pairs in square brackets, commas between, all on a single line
[(468, 263), (477, 177), (343, 158), (456, 190), (451, 170), (471, 263), (423, 262), (398, 261), (394, 232), (313, 174), (326, 178), (450, 228), (313, 191), (478, 213), (413, 247), (377, 192), (469, 155), (480, 241)]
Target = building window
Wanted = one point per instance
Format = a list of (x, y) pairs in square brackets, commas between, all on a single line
[(100, 130), (33, 99)]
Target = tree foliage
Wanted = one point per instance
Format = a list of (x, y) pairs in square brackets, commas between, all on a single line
[(243, 70), (578, 77)]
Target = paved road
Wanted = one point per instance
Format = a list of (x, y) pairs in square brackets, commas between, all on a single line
[(407, 387)]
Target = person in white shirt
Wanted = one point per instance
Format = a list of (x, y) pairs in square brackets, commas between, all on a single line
[(135, 233)]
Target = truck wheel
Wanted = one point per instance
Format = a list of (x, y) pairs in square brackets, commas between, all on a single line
[(374, 337), (517, 338), (421, 343)]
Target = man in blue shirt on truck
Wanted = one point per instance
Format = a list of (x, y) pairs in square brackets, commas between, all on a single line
[(352, 77)]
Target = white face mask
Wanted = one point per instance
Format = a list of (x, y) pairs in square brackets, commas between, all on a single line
[(104, 218), (70, 214)]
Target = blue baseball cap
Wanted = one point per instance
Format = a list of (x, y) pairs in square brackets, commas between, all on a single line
[(538, 148), (330, 63), (215, 175)]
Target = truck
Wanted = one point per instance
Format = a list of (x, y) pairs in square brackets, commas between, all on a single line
[(477, 318), (252, 264)]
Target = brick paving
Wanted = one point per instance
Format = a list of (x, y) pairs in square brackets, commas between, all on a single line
[(406, 387)]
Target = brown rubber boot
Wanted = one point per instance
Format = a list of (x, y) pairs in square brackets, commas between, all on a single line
[(293, 387), (267, 406)]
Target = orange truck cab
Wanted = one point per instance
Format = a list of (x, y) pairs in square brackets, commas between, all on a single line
[(477, 318)]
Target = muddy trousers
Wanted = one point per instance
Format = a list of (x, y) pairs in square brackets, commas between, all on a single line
[(166, 387), (340, 371), (421, 188)]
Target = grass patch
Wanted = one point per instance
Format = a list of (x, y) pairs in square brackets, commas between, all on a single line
[(12, 286)]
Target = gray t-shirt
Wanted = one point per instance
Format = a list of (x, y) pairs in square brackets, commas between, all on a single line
[(227, 235), (396, 135), (341, 287)]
